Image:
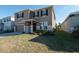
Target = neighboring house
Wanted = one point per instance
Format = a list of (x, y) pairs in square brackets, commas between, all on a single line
[(29, 21), (7, 24), (1, 27), (71, 22)]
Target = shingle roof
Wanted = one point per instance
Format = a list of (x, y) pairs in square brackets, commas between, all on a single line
[(77, 12)]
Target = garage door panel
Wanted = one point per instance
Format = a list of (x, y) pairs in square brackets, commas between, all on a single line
[(20, 28)]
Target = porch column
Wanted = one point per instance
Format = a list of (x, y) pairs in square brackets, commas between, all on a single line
[(24, 28), (14, 29), (31, 26)]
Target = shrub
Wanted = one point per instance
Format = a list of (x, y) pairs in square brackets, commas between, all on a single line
[(44, 32), (23, 32), (8, 31), (76, 33)]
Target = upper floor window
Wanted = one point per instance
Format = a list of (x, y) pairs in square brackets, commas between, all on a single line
[(37, 13), (72, 15), (1, 20), (8, 19), (19, 15), (16, 15), (4, 20), (33, 14), (44, 12)]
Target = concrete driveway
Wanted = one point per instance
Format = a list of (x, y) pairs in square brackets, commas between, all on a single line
[(4, 35)]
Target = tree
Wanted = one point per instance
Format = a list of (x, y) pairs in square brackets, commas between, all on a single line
[(58, 26)]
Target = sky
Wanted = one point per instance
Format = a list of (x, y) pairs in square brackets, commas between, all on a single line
[(61, 11)]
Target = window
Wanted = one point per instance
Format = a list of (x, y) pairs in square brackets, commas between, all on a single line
[(72, 15), (30, 16), (40, 27), (8, 19), (37, 14), (1, 20), (19, 15), (33, 14), (44, 25), (4, 20), (45, 12)]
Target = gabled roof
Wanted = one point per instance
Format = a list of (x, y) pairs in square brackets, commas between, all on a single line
[(77, 12), (33, 9), (73, 13)]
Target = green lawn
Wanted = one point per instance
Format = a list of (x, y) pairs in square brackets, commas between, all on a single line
[(60, 42)]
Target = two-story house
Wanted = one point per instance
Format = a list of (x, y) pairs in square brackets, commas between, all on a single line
[(7, 24), (29, 21)]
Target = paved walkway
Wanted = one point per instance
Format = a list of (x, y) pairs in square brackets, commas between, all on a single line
[(1, 37)]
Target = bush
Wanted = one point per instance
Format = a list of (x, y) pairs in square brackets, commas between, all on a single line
[(8, 31), (44, 32), (76, 33), (39, 32), (23, 32)]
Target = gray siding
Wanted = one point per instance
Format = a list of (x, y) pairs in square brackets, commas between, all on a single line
[(70, 23)]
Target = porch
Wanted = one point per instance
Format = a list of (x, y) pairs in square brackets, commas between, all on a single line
[(26, 26)]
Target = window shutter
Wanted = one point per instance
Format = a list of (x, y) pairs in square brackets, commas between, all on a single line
[(22, 14), (37, 13), (33, 14), (46, 11), (41, 12)]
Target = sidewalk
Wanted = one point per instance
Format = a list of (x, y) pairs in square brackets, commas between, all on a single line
[(9, 34)]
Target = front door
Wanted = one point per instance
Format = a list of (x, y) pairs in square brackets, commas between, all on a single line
[(34, 27)]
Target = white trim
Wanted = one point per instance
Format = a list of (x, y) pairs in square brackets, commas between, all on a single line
[(29, 20), (14, 29), (31, 26), (24, 28)]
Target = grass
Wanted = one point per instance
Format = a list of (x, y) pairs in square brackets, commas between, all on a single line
[(67, 43), (60, 42), (21, 43)]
